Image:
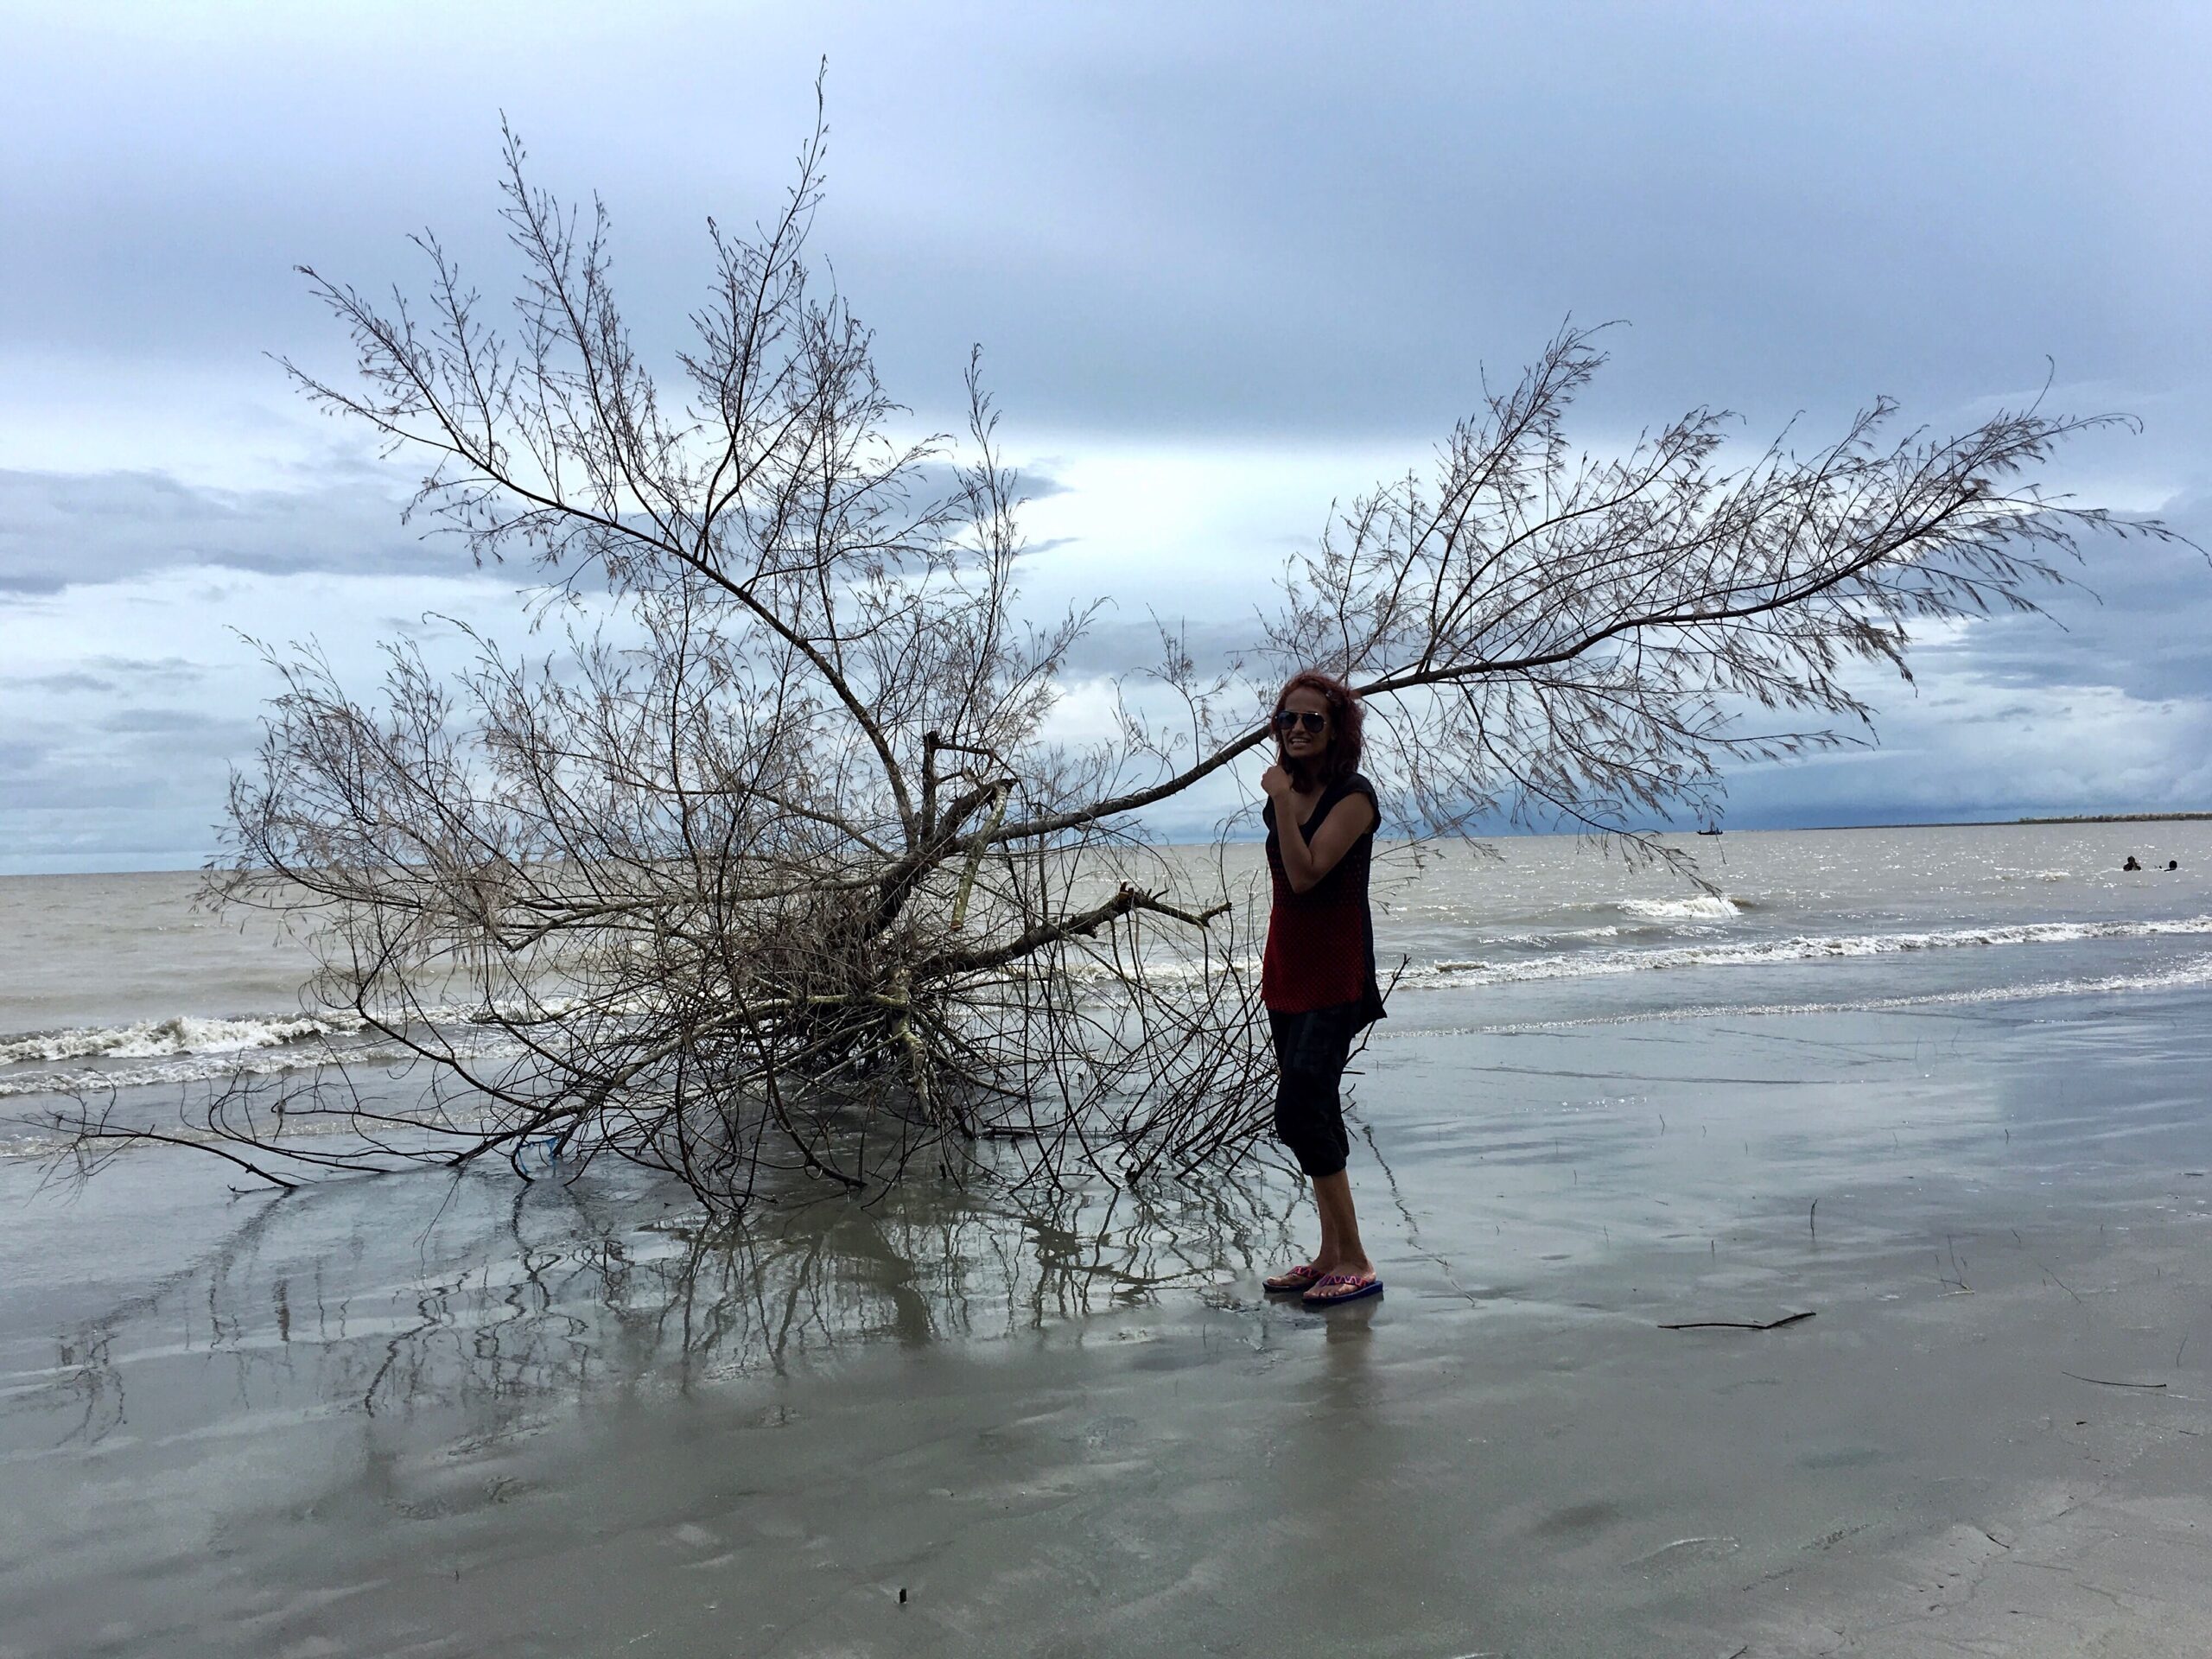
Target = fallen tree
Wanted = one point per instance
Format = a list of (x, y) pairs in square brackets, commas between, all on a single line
[(771, 864)]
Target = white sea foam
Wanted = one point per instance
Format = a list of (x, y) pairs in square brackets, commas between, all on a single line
[(168, 1071), (1798, 948), (185, 1049), (1698, 907), (179, 1034), (186, 1034), (1560, 936), (1155, 970), (2187, 975)]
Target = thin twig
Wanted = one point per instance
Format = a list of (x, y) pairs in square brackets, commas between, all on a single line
[(1740, 1325)]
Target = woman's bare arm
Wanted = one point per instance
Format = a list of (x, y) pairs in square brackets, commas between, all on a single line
[(1306, 862)]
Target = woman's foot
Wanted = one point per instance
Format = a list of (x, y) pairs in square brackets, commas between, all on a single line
[(1300, 1277), (1350, 1286)]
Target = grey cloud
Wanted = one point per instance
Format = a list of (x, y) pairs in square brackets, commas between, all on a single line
[(62, 529), (939, 478), (139, 757), (1948, 787), (1216, 221), (42, 777), (63, 682), (166, 721), (19, 759), (421, 629), (1119, 646), (161, 671), (2141, 619)]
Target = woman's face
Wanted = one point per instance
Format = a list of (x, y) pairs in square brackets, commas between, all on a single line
[(1298, 743)]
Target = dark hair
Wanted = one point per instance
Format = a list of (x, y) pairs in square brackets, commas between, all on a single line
[(1344, 719)]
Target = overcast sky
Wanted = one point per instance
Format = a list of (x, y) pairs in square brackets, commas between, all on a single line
[(1226, 261)]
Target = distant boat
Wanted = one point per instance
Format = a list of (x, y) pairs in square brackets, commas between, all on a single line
[(1710, 830)]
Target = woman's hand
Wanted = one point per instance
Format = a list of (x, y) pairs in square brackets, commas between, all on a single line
[(1275, 781)]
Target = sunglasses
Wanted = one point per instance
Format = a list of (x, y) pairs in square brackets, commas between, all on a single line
[(1288, 720)]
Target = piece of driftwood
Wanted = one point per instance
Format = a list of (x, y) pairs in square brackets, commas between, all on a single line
[(2105, 1382), (1748, 1325)]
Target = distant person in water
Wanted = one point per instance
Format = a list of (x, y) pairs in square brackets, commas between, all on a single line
[(2131, 864), (1317, 975), (2173, 863)]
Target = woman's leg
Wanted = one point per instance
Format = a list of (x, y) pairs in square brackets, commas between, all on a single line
[(1311, 1050), (1325, 1257), (1341, 1250)]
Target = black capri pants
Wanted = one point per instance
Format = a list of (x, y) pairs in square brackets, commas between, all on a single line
[(1311, 1049)]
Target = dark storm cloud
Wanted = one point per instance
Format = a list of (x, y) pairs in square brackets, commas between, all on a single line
[(1241, 218), (60, 529), (2140, 620)]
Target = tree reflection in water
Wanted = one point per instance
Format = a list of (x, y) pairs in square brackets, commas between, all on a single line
[(394, 1297)]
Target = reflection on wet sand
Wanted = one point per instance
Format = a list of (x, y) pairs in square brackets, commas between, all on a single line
[(386, 1296), (451, 1419)]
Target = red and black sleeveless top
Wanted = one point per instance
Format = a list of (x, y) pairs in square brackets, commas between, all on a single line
[(1321, 942)]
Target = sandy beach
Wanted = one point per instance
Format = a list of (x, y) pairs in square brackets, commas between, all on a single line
[(416, 1418)]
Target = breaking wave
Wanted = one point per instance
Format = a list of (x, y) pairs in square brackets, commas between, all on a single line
[(180, 1034), (188, 1048), (2190, 975), (1799, 948), (172, 1069), (1699, 907)]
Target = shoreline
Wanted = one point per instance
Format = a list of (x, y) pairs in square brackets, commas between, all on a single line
[(2013, 823), (193, 868)]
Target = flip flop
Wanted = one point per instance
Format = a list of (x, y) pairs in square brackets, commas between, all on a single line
[(1335, 1288), (1292, 1279)]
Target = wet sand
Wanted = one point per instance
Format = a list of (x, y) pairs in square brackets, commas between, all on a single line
[(413, 1417)]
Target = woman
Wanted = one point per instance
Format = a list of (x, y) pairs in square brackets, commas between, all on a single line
[(1318, 978)]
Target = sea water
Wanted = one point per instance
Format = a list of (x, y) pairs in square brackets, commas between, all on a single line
[(119, 982)]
